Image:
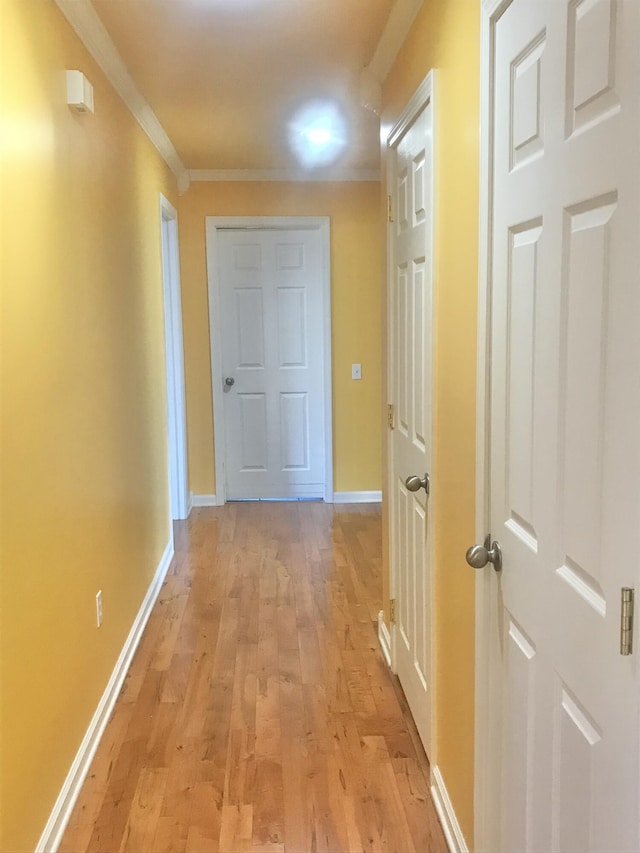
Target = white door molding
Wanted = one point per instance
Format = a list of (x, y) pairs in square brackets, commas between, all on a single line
[(174, 361), (424, 94), (214, 224)]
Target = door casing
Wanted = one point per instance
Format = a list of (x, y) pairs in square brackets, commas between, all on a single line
[(487, 722), (214, 224), (174, 362)]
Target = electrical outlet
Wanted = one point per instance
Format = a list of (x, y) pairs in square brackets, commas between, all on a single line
[(356, 371), (99, 607)]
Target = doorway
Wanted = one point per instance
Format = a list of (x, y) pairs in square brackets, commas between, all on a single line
[(270, 322)]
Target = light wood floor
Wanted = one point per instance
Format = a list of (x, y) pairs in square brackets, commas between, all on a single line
[(258, 713)]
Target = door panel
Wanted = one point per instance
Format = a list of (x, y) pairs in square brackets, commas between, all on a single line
[(565, 211), (253, 431), (249, 327), (292, 327), (294, 431)]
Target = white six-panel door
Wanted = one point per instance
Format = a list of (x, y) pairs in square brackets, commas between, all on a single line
[(272, 371), (410, 389), (564, 285)]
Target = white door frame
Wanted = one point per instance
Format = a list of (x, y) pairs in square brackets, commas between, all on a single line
[(487, 706), (273, 223), (424, 94), (174, 362)]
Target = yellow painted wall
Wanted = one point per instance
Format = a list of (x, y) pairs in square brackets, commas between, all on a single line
[(83, 448), (446, 36), (355, 312)]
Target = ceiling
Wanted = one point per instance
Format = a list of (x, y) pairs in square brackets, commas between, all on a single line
[(226, 77)]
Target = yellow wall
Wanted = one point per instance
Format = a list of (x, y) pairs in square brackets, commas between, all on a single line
[(83, 452), (446, 36), (355, 313)]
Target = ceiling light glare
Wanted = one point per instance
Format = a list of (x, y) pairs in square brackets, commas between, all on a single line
[(317, 134)]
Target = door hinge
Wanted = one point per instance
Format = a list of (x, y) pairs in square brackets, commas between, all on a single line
[(392, 610), (389, 210), (390, 415), (626, 620)]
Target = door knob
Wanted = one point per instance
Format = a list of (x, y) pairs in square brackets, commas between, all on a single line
[(414, 483), (479, 555), (229, 381)]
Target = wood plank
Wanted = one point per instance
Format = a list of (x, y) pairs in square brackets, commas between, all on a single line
[(297, 833), (391, 819), (140, 828), (171, 836), (236, 831)]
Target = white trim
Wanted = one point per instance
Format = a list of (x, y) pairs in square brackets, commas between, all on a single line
[(174, 362), (59, 818), (327, 326), (284, 175), (487, 715), (399, 22), (215, 349), (374, 497), (416, 103), (450, 826), (204, 500), (384, 638), (92, 33), (212, 225)]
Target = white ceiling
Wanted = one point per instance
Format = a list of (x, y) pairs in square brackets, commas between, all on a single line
[(225, 77)]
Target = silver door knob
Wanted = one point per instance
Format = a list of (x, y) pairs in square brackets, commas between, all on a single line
[(229, 381), (479, 555), (414, 483)]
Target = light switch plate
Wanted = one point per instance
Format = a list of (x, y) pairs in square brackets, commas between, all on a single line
[(356, 371)]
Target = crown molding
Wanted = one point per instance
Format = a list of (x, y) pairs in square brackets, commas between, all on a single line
[(284, 175), (395, 32), (92, 33)]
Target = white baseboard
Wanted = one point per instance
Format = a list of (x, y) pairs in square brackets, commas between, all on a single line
[(53, 831), (204, 500), (446, 813), (384, 638), (357, 497), (338, 498)]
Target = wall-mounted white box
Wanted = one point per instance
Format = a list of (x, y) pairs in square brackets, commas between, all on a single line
[(79, 92)]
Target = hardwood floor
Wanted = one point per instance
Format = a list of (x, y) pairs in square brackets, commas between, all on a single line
[(258, 714)]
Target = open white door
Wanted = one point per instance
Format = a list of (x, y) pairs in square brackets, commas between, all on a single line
[(558, 759), (410, 393)]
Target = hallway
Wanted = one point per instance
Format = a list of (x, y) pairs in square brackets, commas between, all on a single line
[(258, 713)]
